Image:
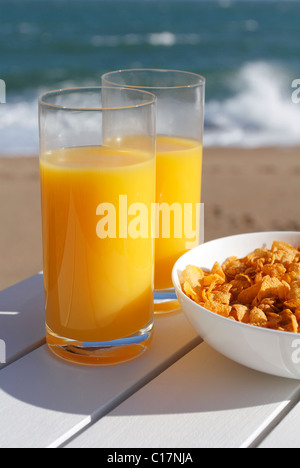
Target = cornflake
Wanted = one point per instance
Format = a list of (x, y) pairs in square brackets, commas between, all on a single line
[(261, 289)]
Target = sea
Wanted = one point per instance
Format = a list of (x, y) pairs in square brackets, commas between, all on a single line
[(248, 51)]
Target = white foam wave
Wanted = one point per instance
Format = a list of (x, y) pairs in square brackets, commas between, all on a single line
[(19, 128), (260, 112), (19, 132), (164, 38)]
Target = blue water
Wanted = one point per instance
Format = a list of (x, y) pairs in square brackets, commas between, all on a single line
[(247, 50)]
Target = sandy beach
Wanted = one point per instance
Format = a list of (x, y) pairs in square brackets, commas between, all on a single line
[(244, 190)]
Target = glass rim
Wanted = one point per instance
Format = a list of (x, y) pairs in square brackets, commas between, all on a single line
[(61, 91), (201, 79)]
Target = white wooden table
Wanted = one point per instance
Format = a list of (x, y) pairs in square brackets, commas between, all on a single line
[(181, 394)]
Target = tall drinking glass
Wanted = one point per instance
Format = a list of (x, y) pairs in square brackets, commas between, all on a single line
[(180, 117), (97, 167)]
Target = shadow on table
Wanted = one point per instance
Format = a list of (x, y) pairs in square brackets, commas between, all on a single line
[(201, 381)]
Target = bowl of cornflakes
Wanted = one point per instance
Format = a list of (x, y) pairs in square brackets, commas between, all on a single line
[(242, 295)]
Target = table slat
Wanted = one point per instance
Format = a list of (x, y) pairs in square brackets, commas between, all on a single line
[(203, 400), (44, 401), (287, 433), (22, 319)]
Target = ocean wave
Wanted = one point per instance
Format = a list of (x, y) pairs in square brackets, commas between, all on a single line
[(257, 112), (19, 127), (164, 39)]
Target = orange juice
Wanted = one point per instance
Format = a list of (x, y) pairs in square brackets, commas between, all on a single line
[(98, 287), (178, 182)]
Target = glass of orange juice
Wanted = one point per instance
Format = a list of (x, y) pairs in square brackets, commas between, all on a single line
[(97, 169), (180, 118)]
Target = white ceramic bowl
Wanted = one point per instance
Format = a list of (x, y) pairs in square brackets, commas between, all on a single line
[(270, 351)]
